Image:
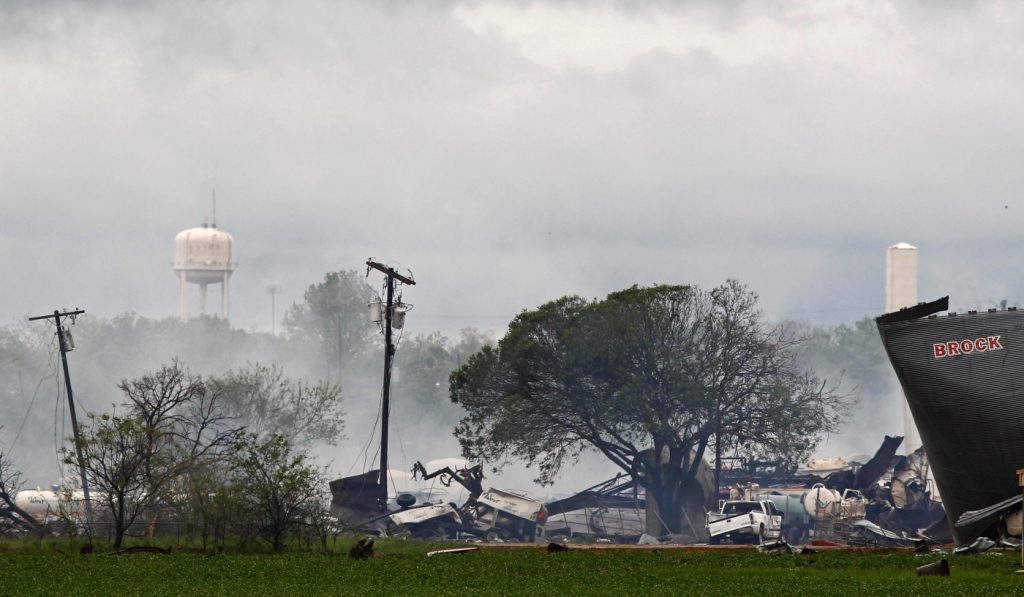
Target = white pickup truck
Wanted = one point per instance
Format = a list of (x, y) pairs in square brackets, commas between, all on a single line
[(751, 520)]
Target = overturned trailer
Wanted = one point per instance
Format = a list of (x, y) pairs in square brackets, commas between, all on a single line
[(618, 510), (613, 509)]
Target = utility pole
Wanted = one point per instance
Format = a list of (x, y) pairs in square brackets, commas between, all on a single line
[(272, 290), (718, 447), (389, 351), (64, 348)]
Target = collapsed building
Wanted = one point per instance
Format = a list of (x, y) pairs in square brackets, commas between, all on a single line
[(883, 501)]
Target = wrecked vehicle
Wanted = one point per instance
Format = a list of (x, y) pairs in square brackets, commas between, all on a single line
[(360, 502), (738, 520), (492, 514), (507, 516), (796, 523)]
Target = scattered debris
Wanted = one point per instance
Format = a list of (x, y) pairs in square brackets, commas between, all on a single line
[(979, 545), (869, 533), (141, 549), (940, 568), (890, 492), (362, 550), (775, 548), (553, 547), (807, 551), (492, 514), (826, 498), (921, 547), (456, 550)]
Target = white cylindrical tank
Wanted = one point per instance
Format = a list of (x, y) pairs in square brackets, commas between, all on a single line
[(790, 505), (821, 502), (45, 505)]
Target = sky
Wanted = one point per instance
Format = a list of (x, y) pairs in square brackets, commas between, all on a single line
[(508, 153)]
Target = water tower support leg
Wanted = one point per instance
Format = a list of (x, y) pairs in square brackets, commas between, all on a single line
[(224, 296), (202, 299), (181, 295)]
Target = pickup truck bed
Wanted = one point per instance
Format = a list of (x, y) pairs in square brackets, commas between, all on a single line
[(756, 521)]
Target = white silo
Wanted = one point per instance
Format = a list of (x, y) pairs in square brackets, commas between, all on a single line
[(900, 277), (203, 256), (900, 292)]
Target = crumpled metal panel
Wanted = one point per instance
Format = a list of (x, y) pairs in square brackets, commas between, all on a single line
[(424, 513), (991, 514)]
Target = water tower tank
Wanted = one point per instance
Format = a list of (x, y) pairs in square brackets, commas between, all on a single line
[(203, 256)]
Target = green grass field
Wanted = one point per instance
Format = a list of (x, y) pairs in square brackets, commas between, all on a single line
[(405, 569)]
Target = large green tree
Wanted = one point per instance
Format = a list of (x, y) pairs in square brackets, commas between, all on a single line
[(274, 487), (649, 377), (334, 317), (264, 401)]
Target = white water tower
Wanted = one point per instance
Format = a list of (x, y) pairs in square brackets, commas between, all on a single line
[(203, 256)]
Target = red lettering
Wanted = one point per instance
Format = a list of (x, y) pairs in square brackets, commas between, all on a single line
[(960, 347)]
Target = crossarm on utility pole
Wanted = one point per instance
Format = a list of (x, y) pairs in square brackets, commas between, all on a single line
[(387, 271)]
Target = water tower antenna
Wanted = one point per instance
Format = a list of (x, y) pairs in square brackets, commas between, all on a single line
[(214, 208)]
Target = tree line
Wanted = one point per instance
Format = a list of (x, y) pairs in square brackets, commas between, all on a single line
[(656, 379)]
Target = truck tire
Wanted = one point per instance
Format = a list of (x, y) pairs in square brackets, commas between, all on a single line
[(715, 540)]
